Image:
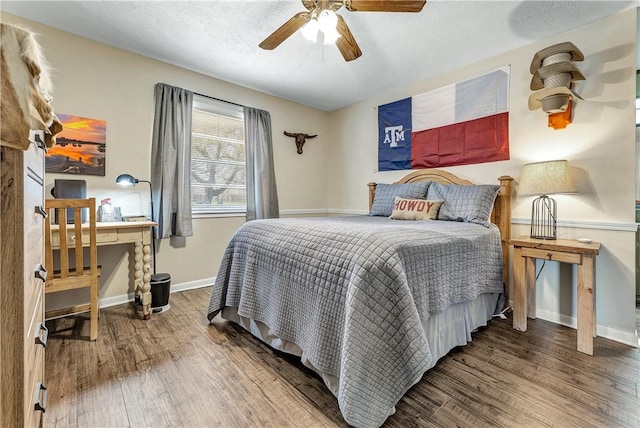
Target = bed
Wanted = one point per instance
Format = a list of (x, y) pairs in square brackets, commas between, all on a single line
[(371, 303)]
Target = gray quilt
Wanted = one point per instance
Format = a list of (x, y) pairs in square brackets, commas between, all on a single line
[(352, 293)]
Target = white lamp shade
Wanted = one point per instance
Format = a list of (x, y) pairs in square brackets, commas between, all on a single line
[(546, 178), (310, 30), (328, 20)]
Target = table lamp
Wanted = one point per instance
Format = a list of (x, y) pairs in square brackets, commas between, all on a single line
[(545, 178), (159, 281), (129, 180)]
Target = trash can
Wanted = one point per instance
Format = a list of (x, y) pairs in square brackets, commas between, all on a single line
[(160, 285)]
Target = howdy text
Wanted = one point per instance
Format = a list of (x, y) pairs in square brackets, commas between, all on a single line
[(413, 205)]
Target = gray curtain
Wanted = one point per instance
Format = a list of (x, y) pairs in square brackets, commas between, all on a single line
[(171, 161), (262, 194)]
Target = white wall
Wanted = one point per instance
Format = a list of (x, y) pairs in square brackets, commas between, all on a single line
[(101, 82), (599, 144)]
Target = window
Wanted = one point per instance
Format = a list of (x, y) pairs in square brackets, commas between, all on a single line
[(218, 167)]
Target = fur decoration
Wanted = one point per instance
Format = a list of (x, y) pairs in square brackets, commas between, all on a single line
[(26, 87)]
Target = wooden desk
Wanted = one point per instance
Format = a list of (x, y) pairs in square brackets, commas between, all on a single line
[(525, 251), (137, 233)]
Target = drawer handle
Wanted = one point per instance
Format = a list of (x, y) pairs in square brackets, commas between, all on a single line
[(39, 143), (36, 137), (40, 400), (40, 210), (41, 339), (41, 272)]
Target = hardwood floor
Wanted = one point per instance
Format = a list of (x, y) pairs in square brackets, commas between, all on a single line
[(178, 370)]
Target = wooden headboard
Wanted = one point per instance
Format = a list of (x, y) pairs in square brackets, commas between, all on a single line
[(500, 216)]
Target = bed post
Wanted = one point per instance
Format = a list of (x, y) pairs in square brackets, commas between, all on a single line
[(372, 193), (502, 218)]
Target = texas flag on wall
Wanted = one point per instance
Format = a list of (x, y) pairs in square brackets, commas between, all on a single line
[(459, 124)]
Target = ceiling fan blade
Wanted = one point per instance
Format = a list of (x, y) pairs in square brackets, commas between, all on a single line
[(384, 6), (309, 4), (286, 30), (346, 42)]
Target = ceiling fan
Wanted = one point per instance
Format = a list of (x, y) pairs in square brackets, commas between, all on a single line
[(321, 15)]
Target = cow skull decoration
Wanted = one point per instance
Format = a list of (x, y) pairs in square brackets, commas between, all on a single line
[(300, 137)]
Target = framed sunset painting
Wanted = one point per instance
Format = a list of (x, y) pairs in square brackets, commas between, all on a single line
[(80, 148)]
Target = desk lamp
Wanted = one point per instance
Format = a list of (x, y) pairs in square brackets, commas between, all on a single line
[(129, 180), (545, 178), (156, 278)]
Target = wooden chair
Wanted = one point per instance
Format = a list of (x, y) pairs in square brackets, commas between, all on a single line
[(72, 236)]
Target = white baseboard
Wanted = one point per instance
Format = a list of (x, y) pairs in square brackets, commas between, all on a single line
[(174, 288), (628, 338), (199, 283)]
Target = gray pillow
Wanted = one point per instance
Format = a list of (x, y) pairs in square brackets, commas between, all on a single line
[(386, 194), (470, 204)]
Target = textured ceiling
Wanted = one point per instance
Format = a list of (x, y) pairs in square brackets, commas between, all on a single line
[(220, 38)]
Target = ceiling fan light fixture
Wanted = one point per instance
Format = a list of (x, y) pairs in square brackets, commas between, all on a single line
[(328, 23), (330, 36), (328, 20), (320, 16), (310, 30)]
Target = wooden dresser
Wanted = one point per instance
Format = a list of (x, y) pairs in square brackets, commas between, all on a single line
[(23, 336)]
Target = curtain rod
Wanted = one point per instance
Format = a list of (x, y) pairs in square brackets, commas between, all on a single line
[(218, 99)]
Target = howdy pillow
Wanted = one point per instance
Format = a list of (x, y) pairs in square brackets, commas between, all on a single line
[(415, 209)]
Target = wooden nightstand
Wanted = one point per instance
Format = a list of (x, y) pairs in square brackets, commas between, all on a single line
[(525, 251)]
